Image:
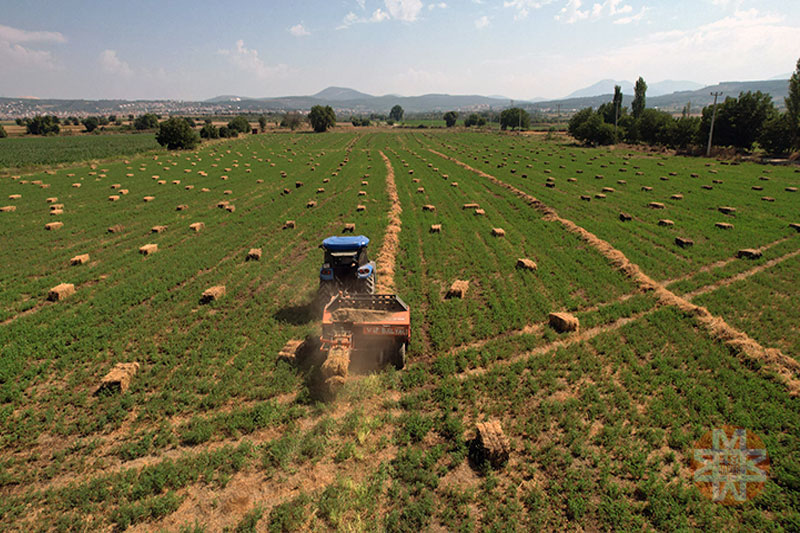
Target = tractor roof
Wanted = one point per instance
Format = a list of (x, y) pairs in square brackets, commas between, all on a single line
[(345, 244)]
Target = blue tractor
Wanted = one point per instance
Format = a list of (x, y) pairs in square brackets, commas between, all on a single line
[(346, 268)]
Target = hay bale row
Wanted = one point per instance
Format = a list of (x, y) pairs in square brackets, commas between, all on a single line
[(458, 289), (148, 249), (118, 380), (562, 322), (212, 294), (61, 291), (79, 259)]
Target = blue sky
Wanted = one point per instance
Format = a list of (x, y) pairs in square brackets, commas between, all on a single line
[(518, 48)]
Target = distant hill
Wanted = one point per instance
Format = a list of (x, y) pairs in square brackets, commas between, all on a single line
[(338, 94), (653, 89), (675, 101)]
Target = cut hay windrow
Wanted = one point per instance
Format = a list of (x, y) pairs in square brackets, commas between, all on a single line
[(391, 240), (786, 368)]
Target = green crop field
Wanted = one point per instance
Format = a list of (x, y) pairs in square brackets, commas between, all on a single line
[(23, 153), (217, 433)]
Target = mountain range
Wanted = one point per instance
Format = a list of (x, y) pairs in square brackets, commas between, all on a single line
[(668, 95)]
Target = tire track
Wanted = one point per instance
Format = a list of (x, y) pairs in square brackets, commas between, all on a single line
[(740, 344)]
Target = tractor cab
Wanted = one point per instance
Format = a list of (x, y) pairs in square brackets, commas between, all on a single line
[(346, 266)]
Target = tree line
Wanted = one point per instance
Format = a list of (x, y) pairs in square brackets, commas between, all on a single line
[(746, 122)]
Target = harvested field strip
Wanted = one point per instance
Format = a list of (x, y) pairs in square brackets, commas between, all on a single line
[(764, 304), (786, 368), (740, 276), (568, 340), (525, 163), (386, 256)]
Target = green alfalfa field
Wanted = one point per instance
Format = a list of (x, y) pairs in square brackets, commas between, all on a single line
[(216, 433)]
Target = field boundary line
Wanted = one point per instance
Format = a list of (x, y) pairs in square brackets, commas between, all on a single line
[(740, 276), (388, 254), (740, 343)]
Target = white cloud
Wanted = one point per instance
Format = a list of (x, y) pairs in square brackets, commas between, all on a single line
[(440, 5), (482, 22), (112, 64), (572, 12), (12, 52), (298, 30), (247, 60), (379, 15), (15, 35), (524, 7), (362, 3), (405, 10), (633, 18)]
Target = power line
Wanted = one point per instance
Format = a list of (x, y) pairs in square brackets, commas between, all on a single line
[(713, 117)]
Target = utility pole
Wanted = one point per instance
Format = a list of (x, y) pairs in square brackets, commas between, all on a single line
[(713, 117)]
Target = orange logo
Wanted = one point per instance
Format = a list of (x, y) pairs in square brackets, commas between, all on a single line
[(730, 465)]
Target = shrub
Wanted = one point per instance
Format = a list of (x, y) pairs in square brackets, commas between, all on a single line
[(175, 133), (239, 124), (322, 118), (209, 131), (90, 123), (3, 133), (148, 121), (43, 125)]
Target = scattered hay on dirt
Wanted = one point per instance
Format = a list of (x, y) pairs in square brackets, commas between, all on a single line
[(254, 254), (197, 226), (490, 444), (61, 291), (526, 264), (458, 289), (212, 294), (723, 225), (52, 226), (148, 249), (498, 232), (562, 322), (436, 228), (119, 379), (683, 242), (79, 259), (749, 253)]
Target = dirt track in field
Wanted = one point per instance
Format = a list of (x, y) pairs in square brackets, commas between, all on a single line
[(387, 256), (740, 276), (773, 360)]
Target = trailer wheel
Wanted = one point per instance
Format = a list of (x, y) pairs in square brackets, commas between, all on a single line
[(400, 356)]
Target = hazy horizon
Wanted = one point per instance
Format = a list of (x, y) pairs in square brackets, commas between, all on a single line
[(522, 49)]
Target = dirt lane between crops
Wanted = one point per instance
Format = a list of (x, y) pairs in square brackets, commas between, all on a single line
[(773, 360)]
